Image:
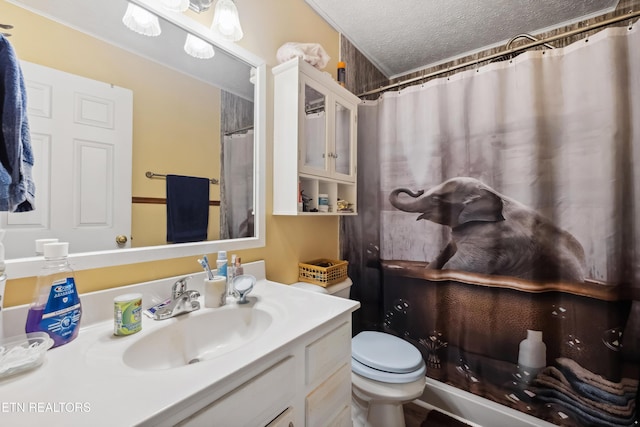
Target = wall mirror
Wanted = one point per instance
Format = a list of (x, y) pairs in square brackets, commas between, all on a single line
[(235, 79)]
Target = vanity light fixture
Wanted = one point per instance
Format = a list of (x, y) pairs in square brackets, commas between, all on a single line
[(141, 21), (198, 48), (226, 21), (200, 6), (175, 5)]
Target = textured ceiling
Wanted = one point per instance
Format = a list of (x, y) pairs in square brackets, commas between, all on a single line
[(407, 35)]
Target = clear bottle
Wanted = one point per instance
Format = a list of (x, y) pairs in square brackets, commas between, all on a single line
[(231, 270), (239, 269), (56, 307), (231, 274)]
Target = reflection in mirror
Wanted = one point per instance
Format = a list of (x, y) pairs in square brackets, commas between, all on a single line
[(315, 128), (192, 117)]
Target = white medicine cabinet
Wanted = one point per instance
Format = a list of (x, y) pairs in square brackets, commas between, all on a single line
[(315, 133)]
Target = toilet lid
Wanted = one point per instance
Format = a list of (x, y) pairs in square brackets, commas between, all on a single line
[(385, 352), (388, 377)]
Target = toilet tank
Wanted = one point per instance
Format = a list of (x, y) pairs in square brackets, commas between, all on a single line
[(340, 289)]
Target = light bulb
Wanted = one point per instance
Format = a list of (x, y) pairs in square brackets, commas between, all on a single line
[(141, 21), (198, 48), (226, 21)]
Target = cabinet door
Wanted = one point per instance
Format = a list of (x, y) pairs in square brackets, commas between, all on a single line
[(343, 154), (253, 403), (313, 128), (324, 405)]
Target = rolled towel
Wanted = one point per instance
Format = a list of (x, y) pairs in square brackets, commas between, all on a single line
[(576, 373), (553, 379), (588, 416), (595, 393)]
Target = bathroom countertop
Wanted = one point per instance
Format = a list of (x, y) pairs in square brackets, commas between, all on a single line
[(85, 382)]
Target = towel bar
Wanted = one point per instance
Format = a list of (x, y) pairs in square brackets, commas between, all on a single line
[(6, 27), (150, 175)]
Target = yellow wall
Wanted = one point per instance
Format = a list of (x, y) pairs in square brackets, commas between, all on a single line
[(267, 25)]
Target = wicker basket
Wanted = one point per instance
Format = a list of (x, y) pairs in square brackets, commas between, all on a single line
[(323, 272)]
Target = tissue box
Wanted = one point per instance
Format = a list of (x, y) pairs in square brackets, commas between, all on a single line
[(322, 272)]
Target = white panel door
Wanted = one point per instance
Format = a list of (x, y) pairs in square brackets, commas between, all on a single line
[(81, 134)]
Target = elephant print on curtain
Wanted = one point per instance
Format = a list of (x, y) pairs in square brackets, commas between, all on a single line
[(493, 234)]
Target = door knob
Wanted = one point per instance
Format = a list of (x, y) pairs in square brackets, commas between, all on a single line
[(121, 239)]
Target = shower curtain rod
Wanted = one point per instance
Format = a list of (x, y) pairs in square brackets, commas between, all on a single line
[(539, 42)]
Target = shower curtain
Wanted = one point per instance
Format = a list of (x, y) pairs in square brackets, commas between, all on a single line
[(236, 167), (498, 228), (237, 216)]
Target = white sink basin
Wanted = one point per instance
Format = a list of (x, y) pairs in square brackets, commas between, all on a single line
[(197, 337)]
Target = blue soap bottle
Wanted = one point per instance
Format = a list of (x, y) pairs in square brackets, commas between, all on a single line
[(221, 263), (56, 307)]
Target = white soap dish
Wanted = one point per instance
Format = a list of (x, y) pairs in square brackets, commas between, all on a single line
[(23, 352)]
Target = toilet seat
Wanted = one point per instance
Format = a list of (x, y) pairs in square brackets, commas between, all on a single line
[(386, 358), (387, 377)]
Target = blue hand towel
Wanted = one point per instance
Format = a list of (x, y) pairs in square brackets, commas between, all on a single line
[(187, 209)]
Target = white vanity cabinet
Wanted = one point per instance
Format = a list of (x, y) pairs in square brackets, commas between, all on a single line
[(308, 384), (315, 139)]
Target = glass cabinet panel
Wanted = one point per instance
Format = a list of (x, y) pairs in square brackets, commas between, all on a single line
[(343, 143), (315, 129)]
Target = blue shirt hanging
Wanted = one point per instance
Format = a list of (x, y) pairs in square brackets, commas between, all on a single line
[(17, 189)]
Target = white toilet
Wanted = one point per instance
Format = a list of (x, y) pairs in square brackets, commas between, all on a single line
[(386, 371)]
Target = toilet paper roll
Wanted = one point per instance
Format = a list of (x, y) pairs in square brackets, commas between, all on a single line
[(214, 291)]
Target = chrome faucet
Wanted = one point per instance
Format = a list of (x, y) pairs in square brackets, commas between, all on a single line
[(182, 301)]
